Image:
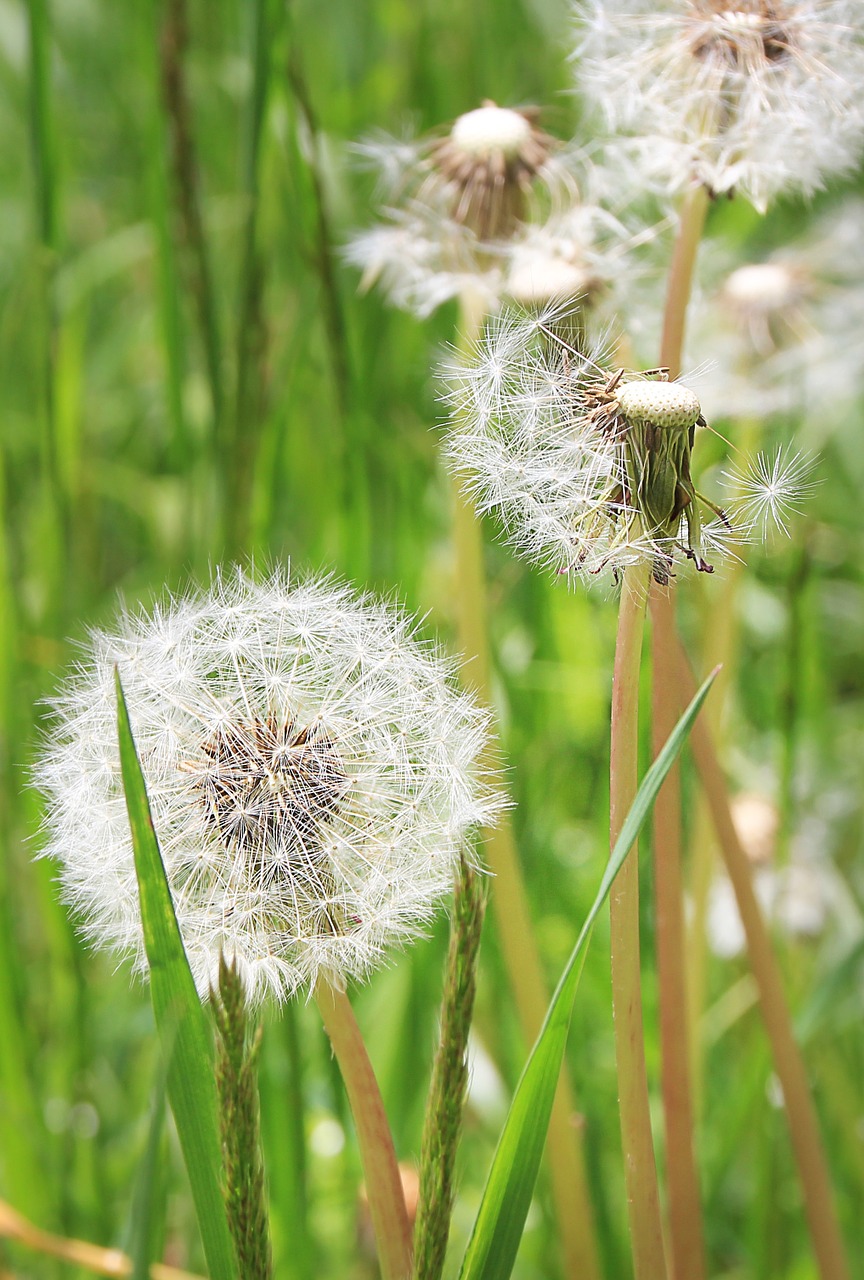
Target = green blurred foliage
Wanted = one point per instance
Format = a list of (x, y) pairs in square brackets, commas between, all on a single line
[(116, 478)]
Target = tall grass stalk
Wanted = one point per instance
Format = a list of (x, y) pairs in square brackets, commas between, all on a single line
[(186, 183), (442, 1125), (251, 335), (640, 1168), (573, 1210), (237, 1050), (380, 1168)]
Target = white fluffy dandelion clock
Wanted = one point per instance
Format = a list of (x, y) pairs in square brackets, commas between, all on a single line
[(313, 771), (759, 96), (587, 466)]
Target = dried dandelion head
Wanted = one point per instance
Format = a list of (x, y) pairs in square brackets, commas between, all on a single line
[(757, 96), (588, 466), (493, 204), (313, 774)]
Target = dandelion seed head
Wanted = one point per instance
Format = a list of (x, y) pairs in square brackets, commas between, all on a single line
[(586, 466), (313, 772), (489, 131), (668, 405), (757, 96)]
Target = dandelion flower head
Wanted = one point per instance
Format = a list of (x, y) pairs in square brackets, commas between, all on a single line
[(757, 96), (587, 466), (312, 769), (458, 206)]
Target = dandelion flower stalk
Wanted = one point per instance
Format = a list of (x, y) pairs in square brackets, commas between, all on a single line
[(380, 1167), (443, 1123), (509, 898), (685, 1211), (237, 1051), (640, 1169), (686, 1234)]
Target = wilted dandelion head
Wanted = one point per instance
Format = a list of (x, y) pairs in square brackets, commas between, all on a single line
[(491, 204), (588, 466), (313, 773), (752, 95)]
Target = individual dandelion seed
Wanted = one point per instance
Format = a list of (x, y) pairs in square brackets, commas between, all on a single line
[(493, 208), (313, 774), (769, 490), (756, 96), (587, 465)]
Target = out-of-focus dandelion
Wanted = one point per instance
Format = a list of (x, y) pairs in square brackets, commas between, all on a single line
[(494, 208), (800, 898), (756, 96), (312, 771), (786, 335), (588, 466)]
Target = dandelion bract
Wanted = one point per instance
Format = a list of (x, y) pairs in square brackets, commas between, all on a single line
[(312, 769)]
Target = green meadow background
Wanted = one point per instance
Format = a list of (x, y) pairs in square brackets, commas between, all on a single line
[(162, 412)]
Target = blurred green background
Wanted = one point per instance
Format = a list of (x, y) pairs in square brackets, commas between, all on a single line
[(153, 426)]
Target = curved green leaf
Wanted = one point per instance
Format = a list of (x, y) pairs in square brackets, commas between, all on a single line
[(501, 1218), (182, 1023)]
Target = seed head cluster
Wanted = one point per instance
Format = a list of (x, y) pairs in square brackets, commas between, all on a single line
[(757, 96), (314, 775), (495, 207)]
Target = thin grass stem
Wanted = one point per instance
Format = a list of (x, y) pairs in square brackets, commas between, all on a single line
[(380, 1168)]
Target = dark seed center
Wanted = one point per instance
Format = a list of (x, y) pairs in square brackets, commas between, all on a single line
[(269, 785)]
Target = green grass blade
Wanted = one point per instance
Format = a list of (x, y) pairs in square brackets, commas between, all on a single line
[(147, 1217), (180, 1017), (501, 1218)]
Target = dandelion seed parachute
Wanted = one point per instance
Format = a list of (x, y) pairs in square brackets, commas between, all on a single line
[(313, 771)]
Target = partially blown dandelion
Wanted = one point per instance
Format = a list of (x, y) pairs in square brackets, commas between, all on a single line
[(752, 95), (312, 770), (588, 466)]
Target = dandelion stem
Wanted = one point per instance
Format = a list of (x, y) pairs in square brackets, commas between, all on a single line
[(640, 1171), (788, 1062), (443, 1121), (686, 1234), (509, 899), (383, 1184)]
